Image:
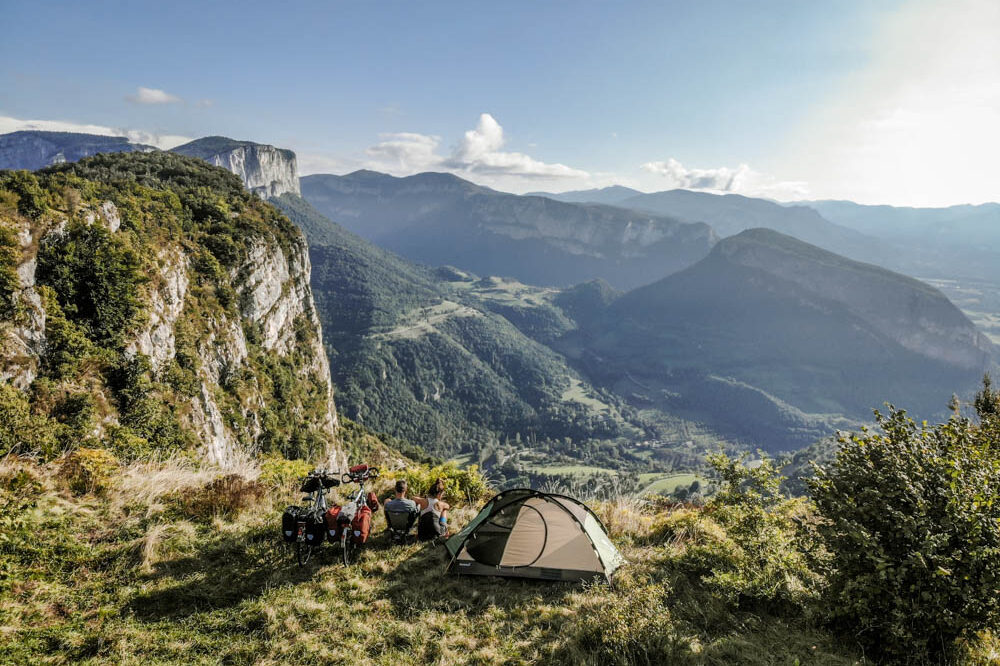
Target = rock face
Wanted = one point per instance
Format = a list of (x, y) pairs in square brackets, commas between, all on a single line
[(235, 354), (265, 170), (33, 150), (440, 219)]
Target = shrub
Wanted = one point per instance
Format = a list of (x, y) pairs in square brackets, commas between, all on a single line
[(227, 496), (461, 485), (10, 255), (761, 560), (96, 277), (913, 524), (89, 470), (278, 472)]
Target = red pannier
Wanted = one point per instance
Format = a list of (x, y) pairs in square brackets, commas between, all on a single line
[(332, 525), (361, 525)]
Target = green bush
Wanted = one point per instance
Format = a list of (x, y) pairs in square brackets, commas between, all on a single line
[(761, 561), (21, 430), (96, 277), (278, 472), (89, 470), (461, 485), (913, 525), (10, 255)]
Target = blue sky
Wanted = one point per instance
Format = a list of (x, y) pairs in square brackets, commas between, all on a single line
[(784, 99)]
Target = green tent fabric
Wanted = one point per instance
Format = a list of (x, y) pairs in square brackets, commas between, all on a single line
[(530, 534)]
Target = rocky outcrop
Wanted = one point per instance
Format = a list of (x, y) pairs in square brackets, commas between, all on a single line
[(219, 340), (265, 170), (33, 150)]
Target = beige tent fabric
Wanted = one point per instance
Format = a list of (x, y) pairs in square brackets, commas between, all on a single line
[(545, 523), (527, 539)]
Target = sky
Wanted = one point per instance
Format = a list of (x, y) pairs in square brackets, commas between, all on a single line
[(876, 101)]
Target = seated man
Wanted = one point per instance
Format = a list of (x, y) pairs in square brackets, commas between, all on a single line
[(433, 513), (400, 511)]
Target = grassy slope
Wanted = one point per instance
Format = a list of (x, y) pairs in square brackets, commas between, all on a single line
[(134, 576)]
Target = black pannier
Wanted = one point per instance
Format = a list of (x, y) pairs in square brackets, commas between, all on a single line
[(315, 529), (289, 522), (313, 483)]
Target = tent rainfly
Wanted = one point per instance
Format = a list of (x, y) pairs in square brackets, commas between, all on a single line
[(530, 534)]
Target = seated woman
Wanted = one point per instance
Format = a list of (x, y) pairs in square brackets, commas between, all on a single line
[(433, 521)]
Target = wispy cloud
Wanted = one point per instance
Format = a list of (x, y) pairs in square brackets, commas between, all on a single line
[(162, 141), (737, 180), (152, 96)]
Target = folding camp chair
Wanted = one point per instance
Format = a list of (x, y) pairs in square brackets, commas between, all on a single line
[(400, 525)]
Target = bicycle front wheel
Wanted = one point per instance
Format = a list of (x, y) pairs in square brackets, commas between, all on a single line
[(303, 551), (348, 548)]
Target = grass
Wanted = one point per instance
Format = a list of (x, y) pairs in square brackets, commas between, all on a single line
[(133, 576), (658, 484), (577, 393), (582, 470)]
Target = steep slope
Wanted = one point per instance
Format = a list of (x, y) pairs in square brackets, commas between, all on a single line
[(152, 304), (33, 150), (767, 319), (264, 169), (418, 353), (611, 196), (439, 219), (730, 214)]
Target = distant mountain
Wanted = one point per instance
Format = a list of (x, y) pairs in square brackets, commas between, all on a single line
[(432, 355), (729, 214), (33, 150), (265, 170), (611, 196), (954, 225), (768, 334), (440, 219), (956, 242)]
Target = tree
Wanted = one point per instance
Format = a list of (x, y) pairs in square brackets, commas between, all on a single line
[(913, 525)]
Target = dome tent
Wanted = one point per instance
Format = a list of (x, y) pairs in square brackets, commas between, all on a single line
[(530, 534)]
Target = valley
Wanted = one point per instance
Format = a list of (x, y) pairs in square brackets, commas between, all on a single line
[(645, 342)]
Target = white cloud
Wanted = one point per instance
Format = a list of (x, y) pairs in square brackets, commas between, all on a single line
[(152, 96), (480, 151), (738, 180), (478, 156), (920, 125), (406, 152), (162, 141)]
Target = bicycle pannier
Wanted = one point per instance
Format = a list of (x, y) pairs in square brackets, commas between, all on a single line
[(332, 526), (315, 529), (289, 523), (361, 525)]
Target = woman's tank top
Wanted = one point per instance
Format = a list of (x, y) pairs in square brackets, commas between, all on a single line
[(431, 506)]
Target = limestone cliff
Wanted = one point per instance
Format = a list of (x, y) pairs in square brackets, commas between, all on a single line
[(265, 170), (219, 332)]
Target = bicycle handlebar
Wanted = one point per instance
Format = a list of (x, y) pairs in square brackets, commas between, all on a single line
[(360, 473)]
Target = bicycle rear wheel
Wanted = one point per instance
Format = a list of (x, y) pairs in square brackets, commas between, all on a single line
[(303, 551)]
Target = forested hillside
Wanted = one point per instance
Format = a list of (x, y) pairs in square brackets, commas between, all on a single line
[(152, 305), (457, 363)]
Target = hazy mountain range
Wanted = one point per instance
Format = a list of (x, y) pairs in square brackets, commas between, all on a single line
[(437, 218), (606, 325)]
